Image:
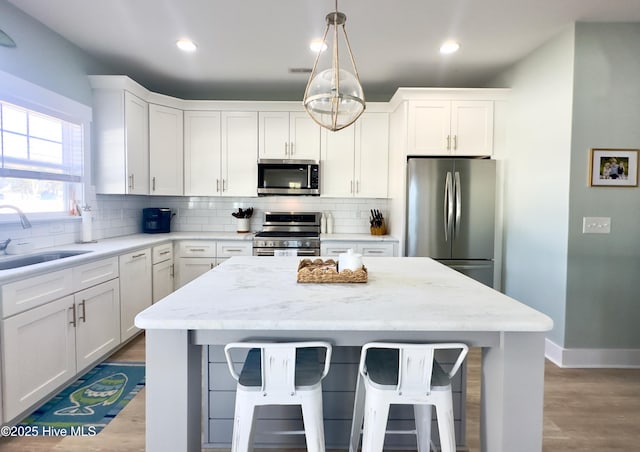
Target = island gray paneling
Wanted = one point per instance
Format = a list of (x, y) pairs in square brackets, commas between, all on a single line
[(338, 396)]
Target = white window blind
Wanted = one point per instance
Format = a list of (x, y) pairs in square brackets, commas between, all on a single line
[(37, 146)]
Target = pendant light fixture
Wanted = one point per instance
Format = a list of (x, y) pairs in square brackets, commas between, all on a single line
[(334, 97)]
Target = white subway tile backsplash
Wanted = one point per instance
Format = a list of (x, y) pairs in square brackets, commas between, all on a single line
[(118, 215)]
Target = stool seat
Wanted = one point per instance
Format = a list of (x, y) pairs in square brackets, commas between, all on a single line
[(403, 374), (286, 373)]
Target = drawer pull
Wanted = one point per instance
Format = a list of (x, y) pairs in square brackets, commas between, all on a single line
[(136, 256), (197, 249), (375, 251), (162, 253), (234, 250)]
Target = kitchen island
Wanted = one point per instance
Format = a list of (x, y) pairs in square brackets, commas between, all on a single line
[(405, 299)]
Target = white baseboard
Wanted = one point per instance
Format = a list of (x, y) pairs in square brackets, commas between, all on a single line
[(592, 357)]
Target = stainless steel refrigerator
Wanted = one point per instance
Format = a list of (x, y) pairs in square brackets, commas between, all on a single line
[(451, 213)]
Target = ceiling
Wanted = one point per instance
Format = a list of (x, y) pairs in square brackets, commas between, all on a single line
[(247, 47)]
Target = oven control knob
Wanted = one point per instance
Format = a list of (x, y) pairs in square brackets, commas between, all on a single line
[(307, 244), (285, 243)]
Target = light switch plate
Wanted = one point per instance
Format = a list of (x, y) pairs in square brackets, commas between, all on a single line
[(596, 225)]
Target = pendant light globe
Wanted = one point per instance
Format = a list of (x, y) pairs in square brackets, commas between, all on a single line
[(334, 97)]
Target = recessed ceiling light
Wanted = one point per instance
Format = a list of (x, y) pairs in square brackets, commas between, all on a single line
[(449, 47), (186, 45), (318, 45)]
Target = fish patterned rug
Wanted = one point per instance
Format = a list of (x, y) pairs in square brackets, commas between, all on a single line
[(91, 402)]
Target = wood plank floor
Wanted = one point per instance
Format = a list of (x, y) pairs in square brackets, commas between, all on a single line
[(585, 409)]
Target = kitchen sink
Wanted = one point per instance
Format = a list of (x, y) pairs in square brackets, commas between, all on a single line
[(37, 258)]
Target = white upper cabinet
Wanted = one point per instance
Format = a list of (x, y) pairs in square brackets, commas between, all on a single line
[(288, 135), (165, 150), (220, 153), (355, 159), (121, 156), (239, 163), (443, 127), (202, 153)]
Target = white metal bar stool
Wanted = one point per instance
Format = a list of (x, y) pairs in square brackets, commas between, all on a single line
[(404, 374), (279, 374)]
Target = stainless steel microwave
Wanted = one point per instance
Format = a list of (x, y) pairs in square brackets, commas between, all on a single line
[(288, 177)]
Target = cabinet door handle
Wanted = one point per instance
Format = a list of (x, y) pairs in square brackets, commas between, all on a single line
[(448, 142), (73, 317), (211, 265), (357, 186), (136, 256), (351, 187), (153, 183), (83, 317), (217, 185), (286, 148), (171, 270), (291, 151), (224, 185), (455, 142), (131, 182)]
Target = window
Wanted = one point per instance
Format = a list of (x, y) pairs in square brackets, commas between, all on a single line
[(41, 167)]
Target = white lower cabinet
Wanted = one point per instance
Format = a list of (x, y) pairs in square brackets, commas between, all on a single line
[(97, 320), (367, 249), (135, 289), (39, 348), (189, 268), (196, 257), (47, 346), (162, 280), (163, 271)]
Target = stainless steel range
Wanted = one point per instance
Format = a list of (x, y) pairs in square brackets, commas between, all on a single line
[(288, 233)]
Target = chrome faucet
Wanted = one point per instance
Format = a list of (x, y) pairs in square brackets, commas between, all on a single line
[(23, 218)]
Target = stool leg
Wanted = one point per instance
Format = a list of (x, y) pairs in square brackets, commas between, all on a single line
[(312, 417), (422, 414), (444, 411), (358, 415), (376, 414), (243, 423)]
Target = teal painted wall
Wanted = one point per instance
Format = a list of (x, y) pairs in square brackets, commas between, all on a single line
[(45, 58), (603, 278)]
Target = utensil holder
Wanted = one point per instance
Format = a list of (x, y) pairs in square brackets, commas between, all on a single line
[(244, 224)]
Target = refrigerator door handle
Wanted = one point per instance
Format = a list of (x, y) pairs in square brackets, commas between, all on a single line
[(457, 188), (448, 206)]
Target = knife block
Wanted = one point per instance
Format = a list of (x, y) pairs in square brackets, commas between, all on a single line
[(379, 230)]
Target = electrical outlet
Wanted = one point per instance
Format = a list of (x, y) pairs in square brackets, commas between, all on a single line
[(596, 225)]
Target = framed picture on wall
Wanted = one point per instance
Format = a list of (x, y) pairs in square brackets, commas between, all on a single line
[(613, 168)]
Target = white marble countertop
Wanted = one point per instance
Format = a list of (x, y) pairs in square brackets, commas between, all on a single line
[(107, 248), (402, 293)]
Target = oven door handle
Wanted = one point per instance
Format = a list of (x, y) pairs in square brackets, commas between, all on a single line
[(263, 252), (308, 252)]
